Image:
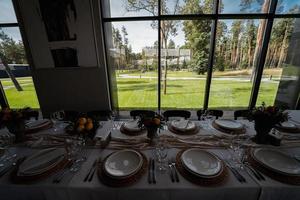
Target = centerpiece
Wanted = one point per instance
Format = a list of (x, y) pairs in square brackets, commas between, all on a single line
[(265, 118), (14, 120), (151, 124)]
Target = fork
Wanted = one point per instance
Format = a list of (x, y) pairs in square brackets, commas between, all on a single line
[(171, 171), (175, 170)]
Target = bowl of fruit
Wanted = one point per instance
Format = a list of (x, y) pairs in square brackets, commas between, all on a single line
[(83, 126)]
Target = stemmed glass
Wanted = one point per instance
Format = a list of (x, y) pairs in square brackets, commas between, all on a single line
[(206, 117), (113, 116), (55, 118), (73, 146), (161, 154)]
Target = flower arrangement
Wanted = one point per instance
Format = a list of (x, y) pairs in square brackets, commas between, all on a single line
[(14, 120), (265, 118), (151, 123)]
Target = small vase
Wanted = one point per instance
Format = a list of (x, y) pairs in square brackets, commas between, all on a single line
[(18, 129), (262, 129), (152, 134)]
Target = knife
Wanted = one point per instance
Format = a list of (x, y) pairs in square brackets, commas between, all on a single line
[(90, 171), (150, 171), (153, 171), (94, 170)]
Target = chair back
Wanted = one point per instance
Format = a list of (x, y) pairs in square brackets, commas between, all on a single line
[(176, 113), (241, 113)]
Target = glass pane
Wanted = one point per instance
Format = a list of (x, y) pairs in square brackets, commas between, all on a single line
[(7, 12), (288, 7), (173, 7), (184, 61), (236, 51), (244, 6), (12, 47), (129, 8), (133, 56), (282, 67)]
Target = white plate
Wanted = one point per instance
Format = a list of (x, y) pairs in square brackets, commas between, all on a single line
[(123, 163), (287, 125), (201, 162), (132, 125), (229, 124), (277, 161), (183, 125), (41, 161)]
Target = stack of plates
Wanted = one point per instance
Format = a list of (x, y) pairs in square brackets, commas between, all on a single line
[(35, 126), (276, 161), (131, 127), (228, 126), (201, 163), (182, 126), (288, 127), (41, 162), (123, 164)]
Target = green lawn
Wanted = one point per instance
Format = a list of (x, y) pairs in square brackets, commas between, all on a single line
[(142, 92)]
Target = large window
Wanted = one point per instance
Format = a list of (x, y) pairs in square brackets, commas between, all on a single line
[(15, 76), (198, 53)]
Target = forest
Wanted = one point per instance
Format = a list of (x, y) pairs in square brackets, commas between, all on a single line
[(238, 42)]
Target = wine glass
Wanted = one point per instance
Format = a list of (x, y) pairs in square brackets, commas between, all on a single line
[(113, 117), (55, 118), (161, 154)]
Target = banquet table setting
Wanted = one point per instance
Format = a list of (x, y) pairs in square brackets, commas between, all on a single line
[(184, 159)]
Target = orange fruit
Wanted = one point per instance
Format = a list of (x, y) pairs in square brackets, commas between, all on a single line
[(89, 120), (156, 121), (81, 121), (80, 127), (89, 126)]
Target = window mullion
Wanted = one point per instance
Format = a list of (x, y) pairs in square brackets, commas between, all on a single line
[(211, 54), (262, 57)]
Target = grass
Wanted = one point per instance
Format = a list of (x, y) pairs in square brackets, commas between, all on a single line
[(142, 92)]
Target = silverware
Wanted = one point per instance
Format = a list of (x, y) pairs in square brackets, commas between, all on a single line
[(256, 173), (240, 178), (150, 171), (94, 170), (175, 170), (171, 171), (90, 171), (153, 171)]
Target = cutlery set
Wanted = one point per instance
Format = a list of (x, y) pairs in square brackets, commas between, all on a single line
[(173, 171), (151, 172), (90, 175)]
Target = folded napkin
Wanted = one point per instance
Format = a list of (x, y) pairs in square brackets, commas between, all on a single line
[(41, 161), (103, 135), (182, 124), (132, 125)]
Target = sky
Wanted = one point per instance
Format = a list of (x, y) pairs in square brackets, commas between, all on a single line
[(140, 34)]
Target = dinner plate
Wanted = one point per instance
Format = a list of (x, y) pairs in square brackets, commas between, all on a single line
[(287, 126), (277, 161), (122, 164), (183, 125), (132, 125), (201, 163), (229, 124), (41, 161)]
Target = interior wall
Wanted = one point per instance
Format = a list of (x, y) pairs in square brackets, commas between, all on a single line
[(82, 88)]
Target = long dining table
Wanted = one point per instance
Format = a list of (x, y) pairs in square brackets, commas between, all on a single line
[(73, 186)]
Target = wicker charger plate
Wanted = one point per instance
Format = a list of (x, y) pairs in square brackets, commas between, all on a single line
[(285, 130), (107, 180), (28, 179), (34, 129), (231, 132), (218, 180), (131, 133), (289, 179), (178, 132)]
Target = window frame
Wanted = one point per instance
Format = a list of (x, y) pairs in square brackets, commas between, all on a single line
[(215, 17)]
